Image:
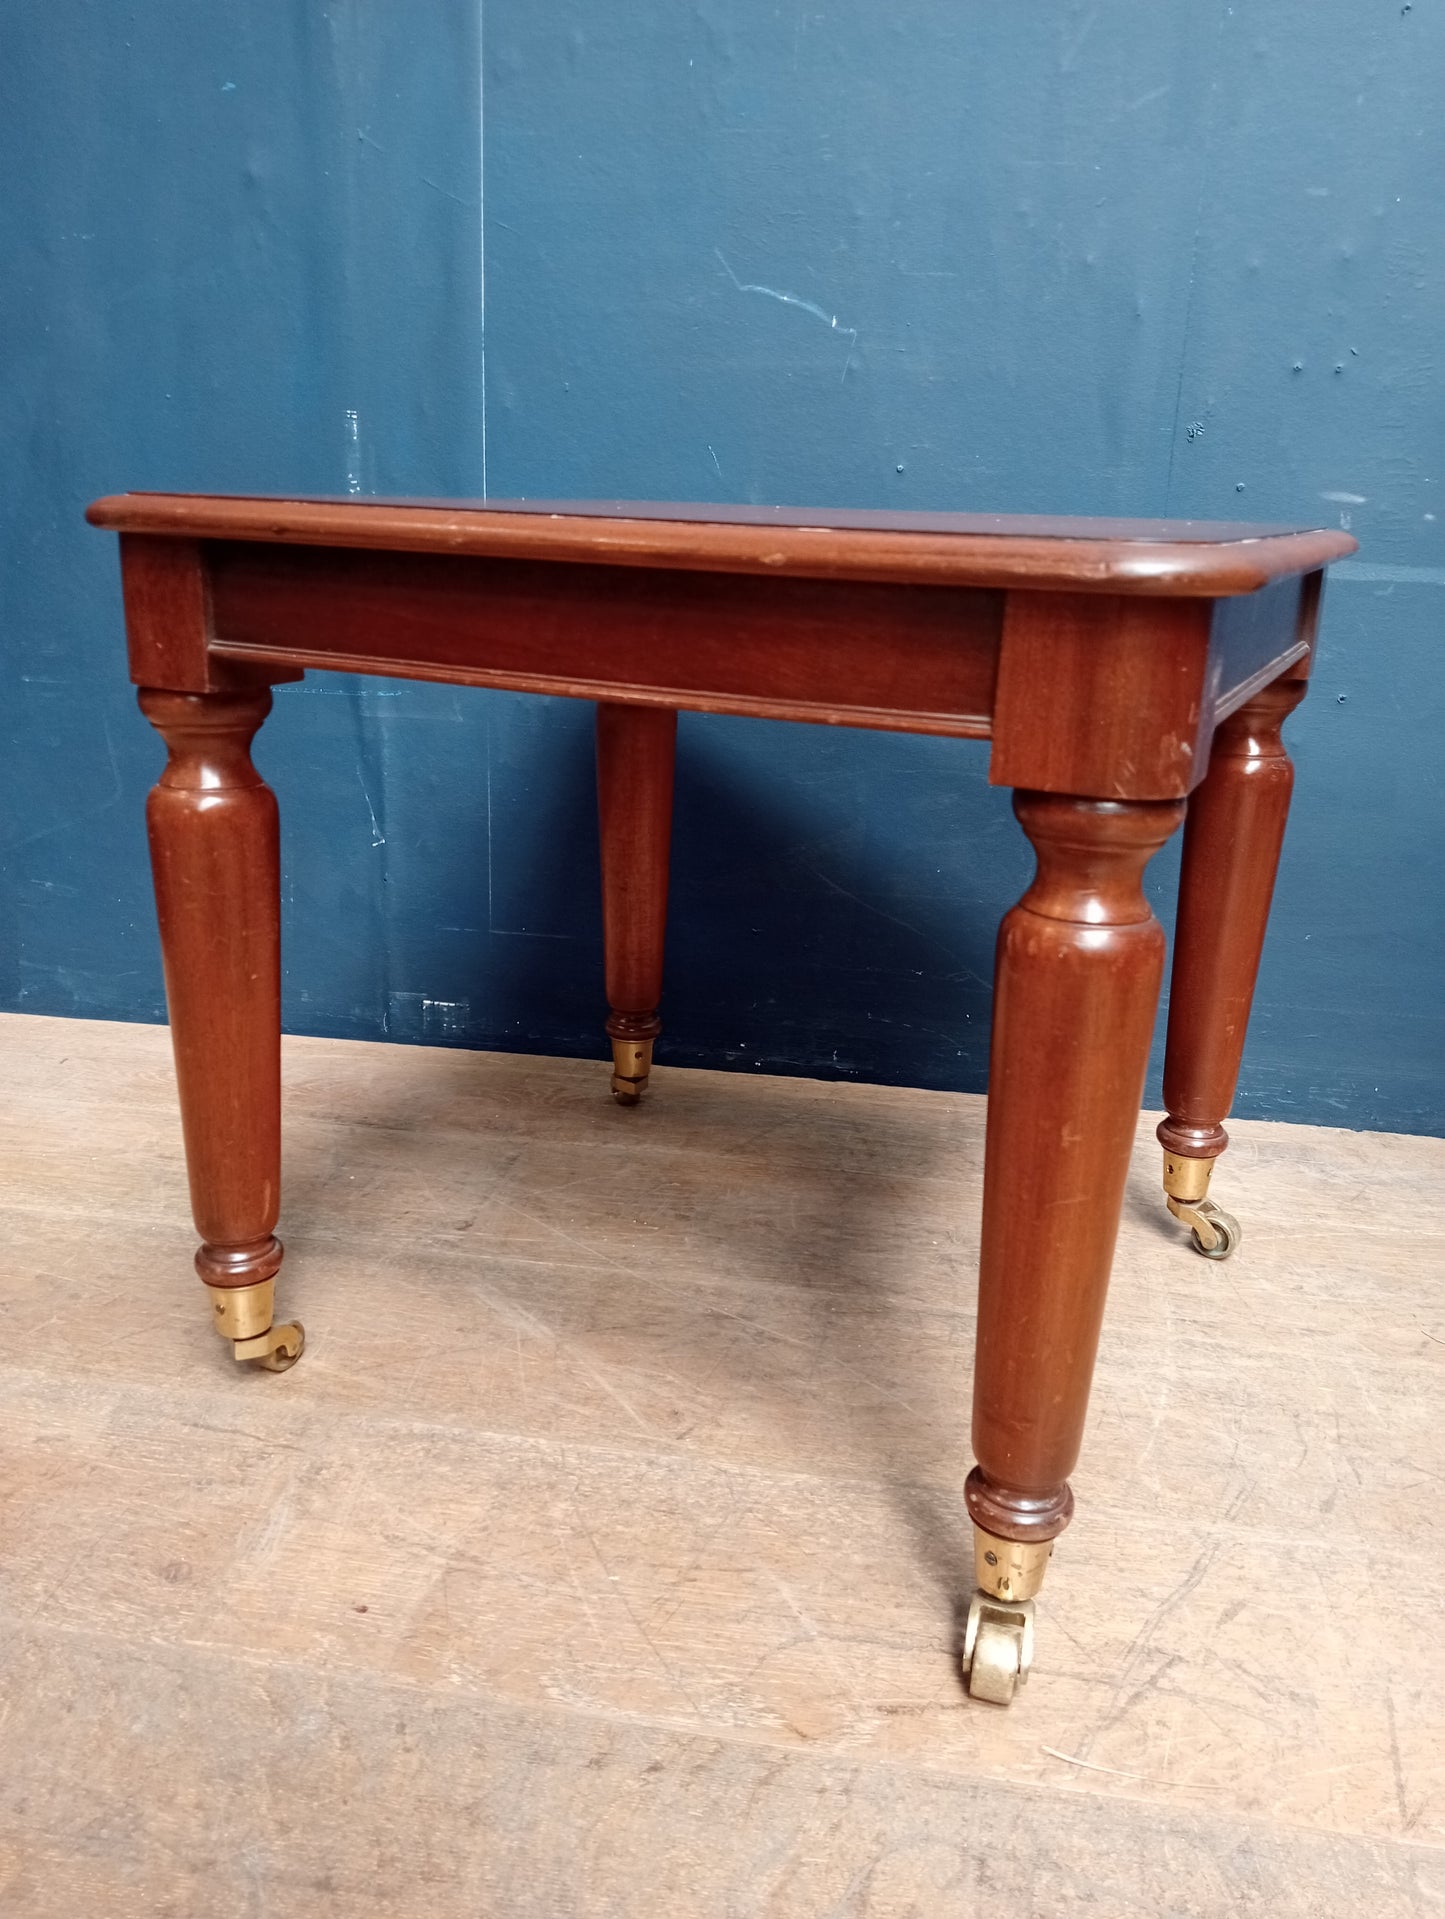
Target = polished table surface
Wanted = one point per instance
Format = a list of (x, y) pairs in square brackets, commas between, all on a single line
[(1119, 668), (984, 549)]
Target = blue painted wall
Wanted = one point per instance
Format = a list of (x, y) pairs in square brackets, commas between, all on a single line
[(1089, 258)]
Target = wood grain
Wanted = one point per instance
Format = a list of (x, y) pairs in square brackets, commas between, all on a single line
[(334, 1796)]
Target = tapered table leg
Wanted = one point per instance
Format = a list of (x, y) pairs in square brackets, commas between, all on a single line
[(635, 752), (214, 855), (1075, 992), (1232, 841)]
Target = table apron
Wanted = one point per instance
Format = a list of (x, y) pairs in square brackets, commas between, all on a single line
[(1105, 696), (904, 658)]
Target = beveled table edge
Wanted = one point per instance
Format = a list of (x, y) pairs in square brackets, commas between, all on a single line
[(1144, 557)]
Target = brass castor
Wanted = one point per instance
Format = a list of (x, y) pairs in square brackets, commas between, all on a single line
[(277, 1349), (243, 1315), (998, 1639), (998, 1647), (631, 1065), (1213, 1232)]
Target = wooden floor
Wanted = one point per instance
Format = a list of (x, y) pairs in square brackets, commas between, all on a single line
[(602, 1555)]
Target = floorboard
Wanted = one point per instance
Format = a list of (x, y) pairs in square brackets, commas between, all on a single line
[(603, 1554)]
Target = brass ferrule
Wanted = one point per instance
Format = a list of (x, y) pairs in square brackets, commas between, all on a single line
[(243, 1312), (1186, 1179), (1006, 1568), (631, 1064)]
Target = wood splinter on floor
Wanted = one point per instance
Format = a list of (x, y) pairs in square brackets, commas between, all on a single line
[(1091, 1765)]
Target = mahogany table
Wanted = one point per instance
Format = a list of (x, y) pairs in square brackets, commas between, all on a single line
[(1120, 669)]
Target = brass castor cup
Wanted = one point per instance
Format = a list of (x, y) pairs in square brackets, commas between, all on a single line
[(243, 1315), (631, 1065), (998, 1639), (1212, 1231)]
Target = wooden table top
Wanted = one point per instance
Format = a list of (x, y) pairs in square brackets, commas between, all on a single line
[(1176, 558)]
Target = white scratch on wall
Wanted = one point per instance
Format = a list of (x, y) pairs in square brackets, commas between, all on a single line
[(378, 838), (1389, 575), (830, 320), (353, 451), (445, 1016)]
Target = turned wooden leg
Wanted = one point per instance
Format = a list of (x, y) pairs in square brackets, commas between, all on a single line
[(635, 752), (214, 854), (1232, 840), (1075, 991)]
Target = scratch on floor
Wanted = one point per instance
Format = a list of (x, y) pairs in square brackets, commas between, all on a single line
[(817, 1638), (811, 1346), (664, 1664), (578, 1588), (535, 1323), (1127, 1690), (1407, 1819)]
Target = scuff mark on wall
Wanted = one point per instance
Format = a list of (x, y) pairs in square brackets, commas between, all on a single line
[(830, 320), (412, 1016), (1368, 570), (378, 838), (353, 451)]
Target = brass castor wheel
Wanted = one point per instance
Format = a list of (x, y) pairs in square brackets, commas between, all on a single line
[(1212, 1231), (276, 1350), (998, 1647), (242, 1314)]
